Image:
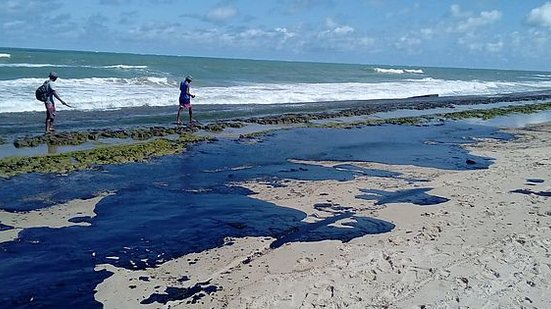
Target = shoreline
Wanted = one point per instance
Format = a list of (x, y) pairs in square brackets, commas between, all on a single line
[(22, 123), (485, 246), (144, 140)]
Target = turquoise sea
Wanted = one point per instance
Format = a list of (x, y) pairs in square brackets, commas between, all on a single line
[(107, 81), (120, 90)]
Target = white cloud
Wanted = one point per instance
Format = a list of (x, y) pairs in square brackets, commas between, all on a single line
[(541, 16), (485, 18), (113, 2), (29, 8), (295, 6), (532, 44), (494, 47), (467, 21), (487, 46), (330, 23), (539, 38), (427, 33), (247, 38), (286, 33), (409, 43), (154, 30), (457, 12), (365, 42), (255, 34), (221, 14), (335, 29), (338, 37), (333, 36), (13, 24), (343, 30)]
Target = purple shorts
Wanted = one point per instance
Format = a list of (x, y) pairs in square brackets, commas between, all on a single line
[(50, 110), (185, 103)]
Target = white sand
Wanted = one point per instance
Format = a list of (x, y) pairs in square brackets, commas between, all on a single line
[(56, 216), (485, 248)]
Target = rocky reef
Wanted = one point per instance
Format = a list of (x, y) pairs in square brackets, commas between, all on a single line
[(152, 142), (85, 159)]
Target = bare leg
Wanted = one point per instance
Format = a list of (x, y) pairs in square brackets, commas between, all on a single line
[(178, 121), (49, 123), (50, 114), (190, 113)]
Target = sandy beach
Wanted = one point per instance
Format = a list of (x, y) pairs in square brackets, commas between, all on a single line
[(485, 245)]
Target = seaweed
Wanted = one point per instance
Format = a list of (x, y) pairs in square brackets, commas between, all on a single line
[(487, 114), (484, 114), (156, 145), (86, 159)]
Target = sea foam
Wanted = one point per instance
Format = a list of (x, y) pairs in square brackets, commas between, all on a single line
[(398, 71), (44, 65), (114, 93), (31, 65)]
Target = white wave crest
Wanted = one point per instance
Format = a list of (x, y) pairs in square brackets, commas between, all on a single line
[(114, 93), (31, 65), (398, 71), (542, 76), (124, 66), (44, 65), (5, 55)]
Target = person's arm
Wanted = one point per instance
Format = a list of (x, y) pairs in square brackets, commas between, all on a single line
[(60, 100), (191, 95)]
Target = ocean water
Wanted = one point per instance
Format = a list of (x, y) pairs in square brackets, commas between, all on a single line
[(93, 81)]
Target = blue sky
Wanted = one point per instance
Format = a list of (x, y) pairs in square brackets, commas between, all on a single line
[(506, 34)]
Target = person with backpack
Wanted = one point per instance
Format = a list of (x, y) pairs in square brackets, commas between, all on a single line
[(46, 94), (185, 99)]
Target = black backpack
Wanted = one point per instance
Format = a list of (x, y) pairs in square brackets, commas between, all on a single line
[(41, 92)]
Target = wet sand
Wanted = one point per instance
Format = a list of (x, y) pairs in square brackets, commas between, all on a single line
[(73, 213), (471, 238)]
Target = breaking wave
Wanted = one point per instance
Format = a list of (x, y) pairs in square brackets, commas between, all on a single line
[(398, 71), (115, 93)]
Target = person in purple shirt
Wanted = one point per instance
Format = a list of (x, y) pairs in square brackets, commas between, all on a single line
[(185, 99), (49, 101)]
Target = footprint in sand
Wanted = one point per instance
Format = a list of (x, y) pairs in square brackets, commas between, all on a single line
[(304, 264)]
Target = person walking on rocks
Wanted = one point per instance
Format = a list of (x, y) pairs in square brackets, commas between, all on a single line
[(185, 99), (46, 94)]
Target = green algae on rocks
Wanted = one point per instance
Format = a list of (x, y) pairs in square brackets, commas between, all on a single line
[(58, 139), (486, 114), (256, 134), (219, 126), (85, 159), (140, 152), (139, 134), (78, 138)]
